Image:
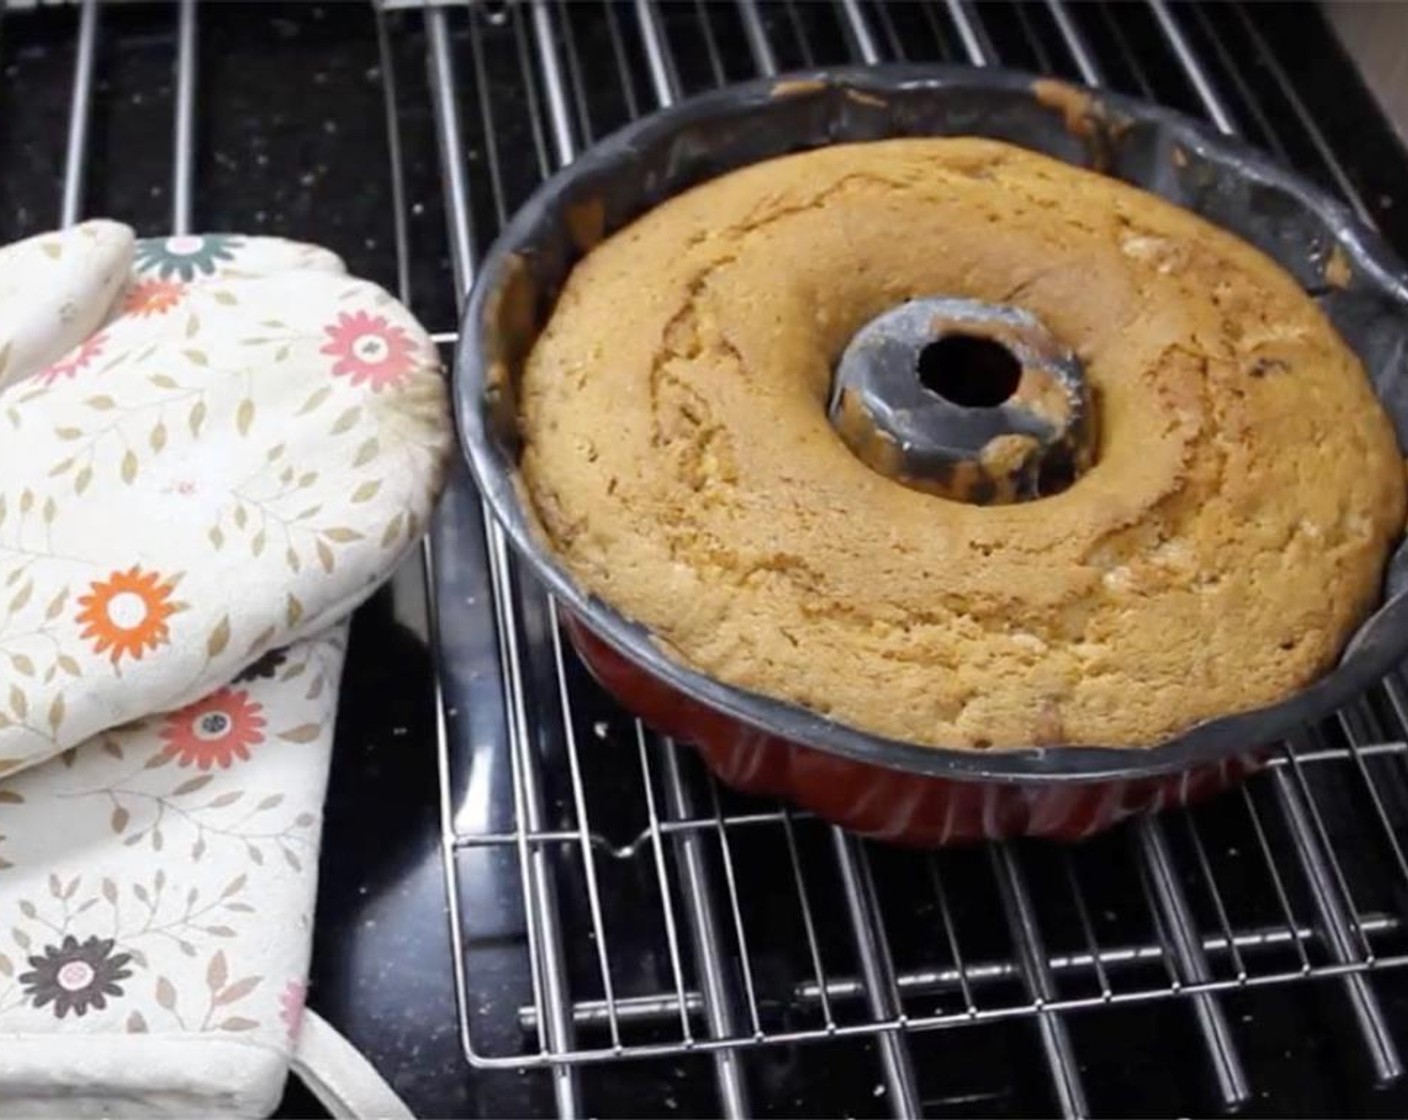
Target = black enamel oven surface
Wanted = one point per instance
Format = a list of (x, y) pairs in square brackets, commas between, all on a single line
[(1246, 955)]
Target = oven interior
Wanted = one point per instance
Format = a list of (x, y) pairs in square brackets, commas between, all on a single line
[(530, 904)]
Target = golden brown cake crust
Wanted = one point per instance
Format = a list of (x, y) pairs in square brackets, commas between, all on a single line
[(1229, 537)]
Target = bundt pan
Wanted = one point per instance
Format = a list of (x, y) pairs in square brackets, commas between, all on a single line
[(898, 791)]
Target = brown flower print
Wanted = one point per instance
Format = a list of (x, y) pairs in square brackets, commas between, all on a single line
[(369, 350), (75, 361), (214, 731), (263, 668), (152, 297), (75, 977), (127, 613)]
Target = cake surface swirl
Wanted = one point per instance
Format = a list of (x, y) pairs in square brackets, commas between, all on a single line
[(1231, 533)]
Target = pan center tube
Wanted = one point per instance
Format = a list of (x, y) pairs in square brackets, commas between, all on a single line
[(976, 402)]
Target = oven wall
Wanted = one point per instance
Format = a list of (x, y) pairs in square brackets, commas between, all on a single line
[(1376, 35)]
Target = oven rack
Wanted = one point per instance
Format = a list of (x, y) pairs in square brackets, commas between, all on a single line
[(693, 836), (607, 900)]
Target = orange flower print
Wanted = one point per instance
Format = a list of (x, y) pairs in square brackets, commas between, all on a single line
[(75, 360), (152, 297), (369, 349), (127, 613), (214, 731)]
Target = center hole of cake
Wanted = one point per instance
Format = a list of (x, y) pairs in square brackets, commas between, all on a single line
[(969, 371)]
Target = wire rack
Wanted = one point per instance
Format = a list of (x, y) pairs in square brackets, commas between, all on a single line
[(609, 901), (662, 914)]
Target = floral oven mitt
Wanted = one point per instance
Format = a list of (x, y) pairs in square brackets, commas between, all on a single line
[(211, 449), (236, 458)]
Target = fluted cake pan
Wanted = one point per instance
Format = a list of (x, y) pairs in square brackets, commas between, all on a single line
[(908, 792)]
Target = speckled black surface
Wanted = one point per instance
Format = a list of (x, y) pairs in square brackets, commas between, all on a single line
[(292, 139)]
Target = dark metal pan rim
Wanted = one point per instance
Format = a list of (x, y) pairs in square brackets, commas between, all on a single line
[(1375, 648)]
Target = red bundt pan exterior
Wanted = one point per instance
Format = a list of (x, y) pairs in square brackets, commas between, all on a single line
[(893, 805)]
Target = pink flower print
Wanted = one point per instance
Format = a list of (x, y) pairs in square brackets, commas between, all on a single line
[(291, 1002), (215, 731), (75, 360), (369, 349)]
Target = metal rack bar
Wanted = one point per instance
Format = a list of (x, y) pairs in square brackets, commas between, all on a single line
[(876, 966), (863, 910), (708, 945), (799, 879), (892, 36), (711, 42), (1087, 927), (740, 931), (1153, 844), (1303, 757), (759, 46), (960, 978), (1200, 854), (1075, 43), (1173, 906), (662, 76), (1036, 976), (565, 149), (540, 903), (1313, 852), (698, 888), (427, 551), (1183, 51), (586, 849), (808, 56), (1025, 934), (1237, 74), (970, 33), (1310, 824), (1339, 754), (1363, 1001), (1023, 13), (428, 581), (1268, 860), (1186, 951), (80, 101), (1023, 1012), (858, 29), (550, 72), (1394, 689), (183, 163), (951, 934), (602, 844), (877, 972), (529, 813), (667, 904), (1176, 918), (941, 38), (1360, 735), (1317, 137), (1141, 74), (574, 71)]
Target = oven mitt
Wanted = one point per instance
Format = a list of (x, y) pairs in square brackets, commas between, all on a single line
[(156, 896), (192, 498), (239, 454)]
